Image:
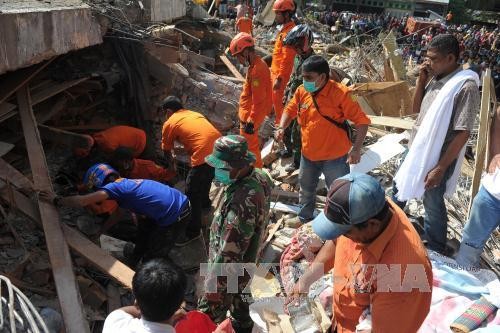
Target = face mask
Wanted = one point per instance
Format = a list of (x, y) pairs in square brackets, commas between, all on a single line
[(222, 176), (310, 86)]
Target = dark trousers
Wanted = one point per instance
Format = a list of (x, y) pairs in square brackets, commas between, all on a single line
[(292, 141), (198, 182), (155, 241)]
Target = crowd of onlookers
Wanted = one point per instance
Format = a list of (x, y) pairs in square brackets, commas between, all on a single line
[(479, 45)]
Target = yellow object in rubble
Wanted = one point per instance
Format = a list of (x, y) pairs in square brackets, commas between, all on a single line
[(200, 2)]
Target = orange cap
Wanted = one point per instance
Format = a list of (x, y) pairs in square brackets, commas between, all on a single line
[(240, 42), (284, 5)]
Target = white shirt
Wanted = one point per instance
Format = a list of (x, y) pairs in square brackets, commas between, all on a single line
[(491, 182), (119, 321)]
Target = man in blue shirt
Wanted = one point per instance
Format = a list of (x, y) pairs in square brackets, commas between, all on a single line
[(166, 210)]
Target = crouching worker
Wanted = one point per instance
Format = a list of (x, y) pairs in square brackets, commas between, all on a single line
[(166, 211), (135, 168), (378, 259), (159, 289)]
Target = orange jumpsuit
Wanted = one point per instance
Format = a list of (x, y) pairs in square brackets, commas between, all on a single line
[(116, 136), (244, 24), (281, 67), (146, 169), (255, 103)]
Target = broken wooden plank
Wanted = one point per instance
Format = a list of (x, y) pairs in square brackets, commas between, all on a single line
[(13, 176), (60, 259), (231, 67), (391, 122), (64, 137), (7, 110), (54, 90), (232, 79), (11, 82), (482, 135), (5, 147), (78, 243), (26, 286)]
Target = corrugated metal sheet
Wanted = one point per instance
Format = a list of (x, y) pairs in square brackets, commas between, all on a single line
[(167, 10)]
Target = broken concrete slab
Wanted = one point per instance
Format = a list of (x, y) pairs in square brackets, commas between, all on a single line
[(164, 11), (36, 31)]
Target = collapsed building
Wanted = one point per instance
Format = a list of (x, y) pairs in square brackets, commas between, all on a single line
[(70, 67)]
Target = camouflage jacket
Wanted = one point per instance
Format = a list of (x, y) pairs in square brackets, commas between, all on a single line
[(295, 79), (239, 223)]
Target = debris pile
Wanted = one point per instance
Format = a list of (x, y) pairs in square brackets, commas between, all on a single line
[(123, 81)]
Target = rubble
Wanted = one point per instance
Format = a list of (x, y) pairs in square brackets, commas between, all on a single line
[(123, 80)]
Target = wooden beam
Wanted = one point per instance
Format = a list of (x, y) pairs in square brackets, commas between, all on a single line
[(101, 259), (391, 122), (13, 176), (13, 81), (231, 67), (67, 138), (60, 259), (55, 89), (482, 135)]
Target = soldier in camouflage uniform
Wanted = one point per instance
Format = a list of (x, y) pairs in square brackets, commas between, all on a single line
[(301, 39), (238, 227)]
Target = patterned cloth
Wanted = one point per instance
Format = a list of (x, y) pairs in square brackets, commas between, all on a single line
[(475, 315), (235, 236)]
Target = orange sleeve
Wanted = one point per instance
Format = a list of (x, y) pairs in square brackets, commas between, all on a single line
[(352, 110), (292, 108), (245, 99), (287, 60), (159, 173), (259, 90), (167, 138)]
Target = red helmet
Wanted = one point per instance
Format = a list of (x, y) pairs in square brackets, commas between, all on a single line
[(240, 42), (284, 5)]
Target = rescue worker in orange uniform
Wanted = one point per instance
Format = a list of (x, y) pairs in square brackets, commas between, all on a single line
[(283, 57), (135, 168), (108, 140), (244, 24), (256, 97)]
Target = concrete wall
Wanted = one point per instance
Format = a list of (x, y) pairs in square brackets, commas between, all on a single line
[(28, 37), (165, 10)]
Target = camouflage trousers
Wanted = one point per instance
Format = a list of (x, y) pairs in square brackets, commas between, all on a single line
[(237, 305), (292, 138)]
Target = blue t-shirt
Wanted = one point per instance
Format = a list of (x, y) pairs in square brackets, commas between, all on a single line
[(147, 197)]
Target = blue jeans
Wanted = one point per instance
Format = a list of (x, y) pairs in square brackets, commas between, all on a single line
[(309, 173), (484, 218), (436, 215)]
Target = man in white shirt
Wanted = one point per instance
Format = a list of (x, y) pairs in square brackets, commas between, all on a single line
[(159, 288), (485, 211)]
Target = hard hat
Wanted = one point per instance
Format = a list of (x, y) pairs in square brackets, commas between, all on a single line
[(97, 174), (240, 42), (284, 5), (299, 33)]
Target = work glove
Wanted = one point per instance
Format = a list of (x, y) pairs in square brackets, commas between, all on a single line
[(249, 129)]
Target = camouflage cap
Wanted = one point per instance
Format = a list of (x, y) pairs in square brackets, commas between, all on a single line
[(230, 152)]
